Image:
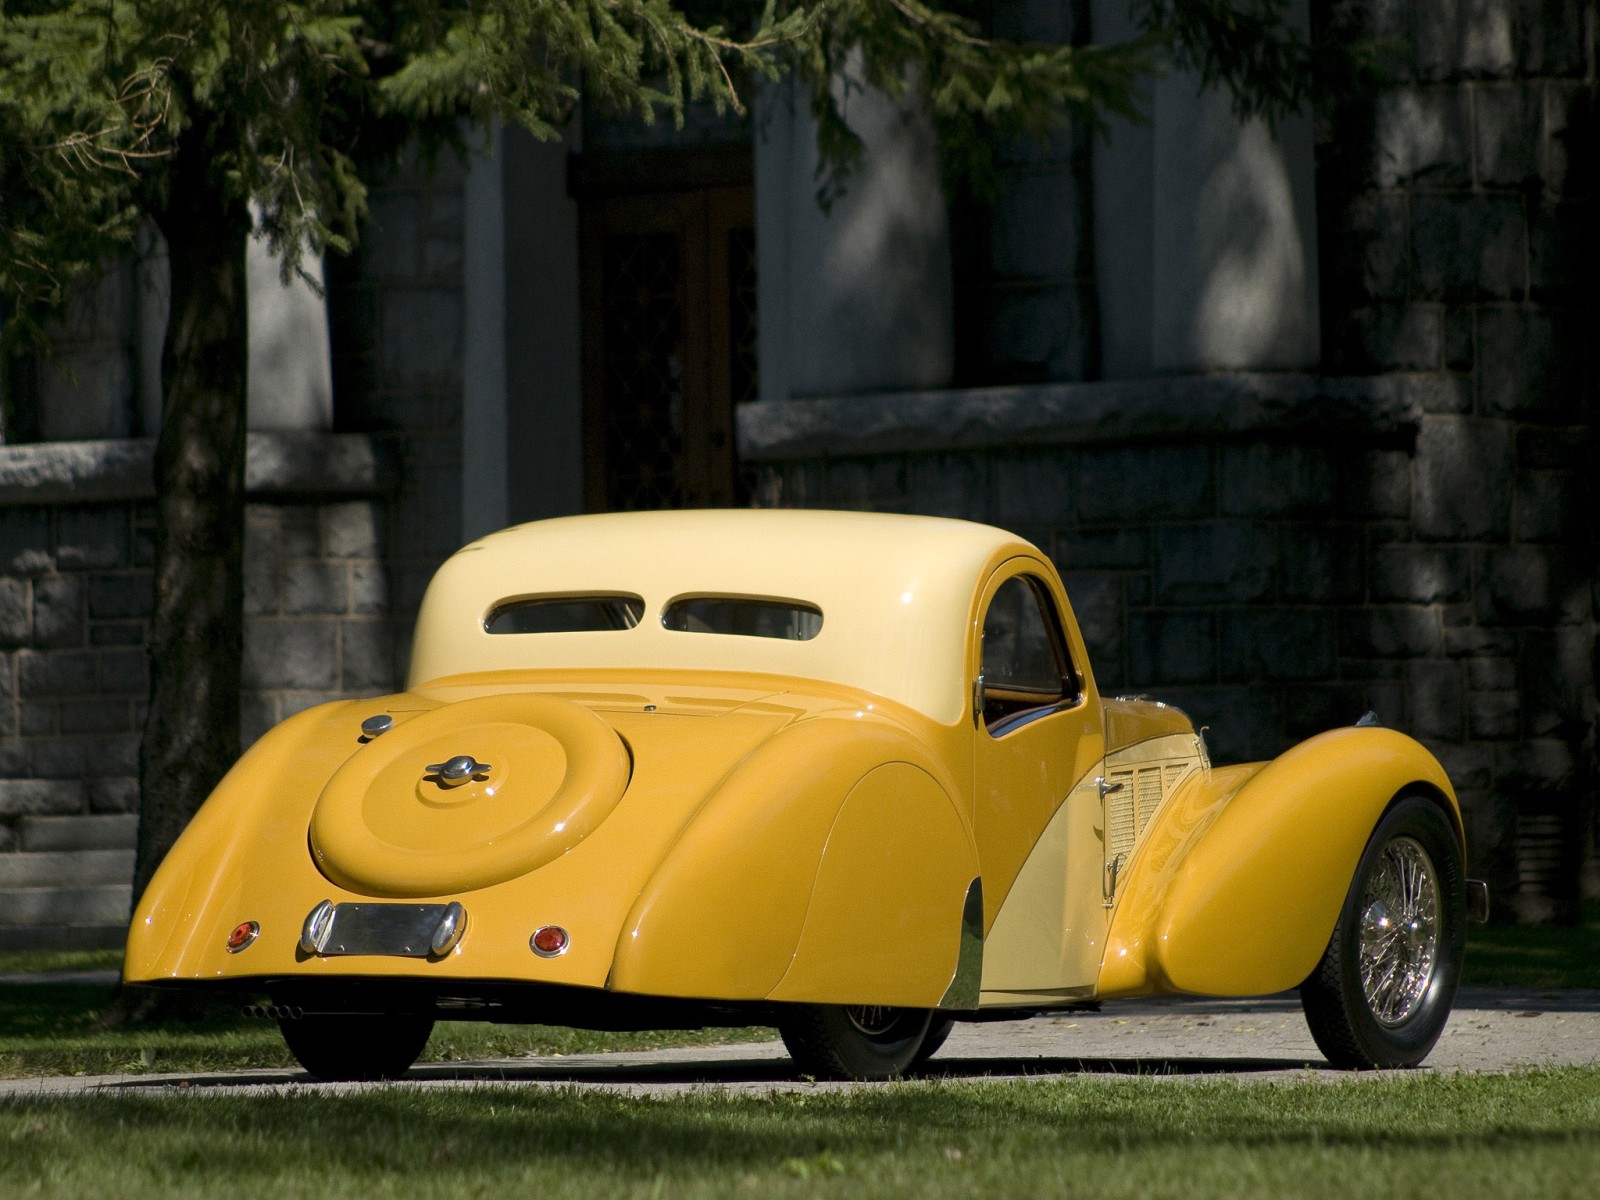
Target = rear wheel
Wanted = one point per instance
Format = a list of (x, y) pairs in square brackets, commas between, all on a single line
[(1382, 992), (938, 1029), (356, 1046), (837, 1041)]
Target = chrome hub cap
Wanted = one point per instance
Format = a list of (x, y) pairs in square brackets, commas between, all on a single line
[(1399, 932)]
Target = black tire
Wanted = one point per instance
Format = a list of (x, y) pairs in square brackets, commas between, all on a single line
[(836, 1041), (938, 1029), (1382, 992), (335, 1046)]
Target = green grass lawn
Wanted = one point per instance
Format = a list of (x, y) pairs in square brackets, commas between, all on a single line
[(1533, 1135), (1537, 956)]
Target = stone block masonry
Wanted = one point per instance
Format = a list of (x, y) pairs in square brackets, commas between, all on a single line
[(1462, 197), (320, 624), (76, 597), (1220, 576)]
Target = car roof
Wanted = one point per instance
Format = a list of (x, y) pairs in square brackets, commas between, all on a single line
[(895, 593)]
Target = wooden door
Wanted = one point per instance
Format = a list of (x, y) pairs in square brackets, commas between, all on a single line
[(669, 312)]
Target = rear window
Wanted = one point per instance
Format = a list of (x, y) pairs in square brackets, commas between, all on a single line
[(744, 616), (566, 614)]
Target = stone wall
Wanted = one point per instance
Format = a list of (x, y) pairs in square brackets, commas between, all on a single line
[(320, 622), (74, 600), (1437, 561), (76, 591), (1458, 213)]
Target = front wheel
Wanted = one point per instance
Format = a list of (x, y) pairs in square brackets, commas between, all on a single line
[(337, 1046), (1382, 992), (855, 1041)]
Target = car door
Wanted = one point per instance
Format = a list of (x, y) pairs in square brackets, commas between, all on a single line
[(1038, 818), (1032, 727)]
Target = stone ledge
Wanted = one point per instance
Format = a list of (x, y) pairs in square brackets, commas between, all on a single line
[(1380, 408), (278, 464)]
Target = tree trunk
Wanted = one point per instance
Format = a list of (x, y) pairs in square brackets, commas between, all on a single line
[(191, 733)]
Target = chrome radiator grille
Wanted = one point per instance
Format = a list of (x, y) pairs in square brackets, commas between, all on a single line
[(1130, 807)]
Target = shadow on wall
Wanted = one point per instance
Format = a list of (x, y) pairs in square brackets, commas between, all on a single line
[(1234, 252), (855, 297)]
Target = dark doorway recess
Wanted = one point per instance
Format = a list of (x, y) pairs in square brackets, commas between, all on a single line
[(667, 262)]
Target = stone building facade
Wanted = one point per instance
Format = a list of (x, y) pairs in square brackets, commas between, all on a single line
[(1457, 224), (350, 510), (1306, 416)]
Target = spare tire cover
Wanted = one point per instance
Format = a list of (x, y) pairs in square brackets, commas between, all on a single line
[(387, 826)]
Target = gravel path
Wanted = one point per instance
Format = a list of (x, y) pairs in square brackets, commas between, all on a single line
[(1264, 1040)]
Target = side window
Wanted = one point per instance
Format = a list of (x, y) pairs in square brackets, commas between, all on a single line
[(1025, 668)]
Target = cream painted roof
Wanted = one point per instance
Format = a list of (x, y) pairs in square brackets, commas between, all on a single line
[(895, 593)]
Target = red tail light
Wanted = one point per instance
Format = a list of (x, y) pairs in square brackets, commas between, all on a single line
[(549, 941)]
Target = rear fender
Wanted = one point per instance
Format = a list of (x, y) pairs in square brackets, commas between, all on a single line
[(1238, 881), (884, 922), (796, 841), (256, 816)]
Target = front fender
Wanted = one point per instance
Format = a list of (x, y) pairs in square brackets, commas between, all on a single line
[(1238, 881)]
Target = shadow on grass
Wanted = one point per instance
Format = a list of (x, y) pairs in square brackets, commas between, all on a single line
[(922, 1129), (1536, 956), (742, 1073)]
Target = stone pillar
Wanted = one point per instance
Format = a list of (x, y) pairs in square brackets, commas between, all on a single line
[(290, 381), (854, 297), (290, 378), (483, 368), (1206, 233), (544, 388), (1234, 237), (1458, 216)]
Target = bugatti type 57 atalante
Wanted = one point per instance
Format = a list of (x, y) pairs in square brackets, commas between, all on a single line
[(845, 774)]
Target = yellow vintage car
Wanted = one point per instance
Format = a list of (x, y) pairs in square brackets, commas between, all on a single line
[(845, 774)]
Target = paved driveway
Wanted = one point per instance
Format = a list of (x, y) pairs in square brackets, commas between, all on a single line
[(1252, 1040)]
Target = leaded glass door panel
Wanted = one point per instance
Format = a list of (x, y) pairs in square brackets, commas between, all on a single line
[(669, 345)]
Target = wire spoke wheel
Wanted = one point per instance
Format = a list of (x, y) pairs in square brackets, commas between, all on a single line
[(856, 1041), (1382, 992), (875, 1021), (1399, 940)]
